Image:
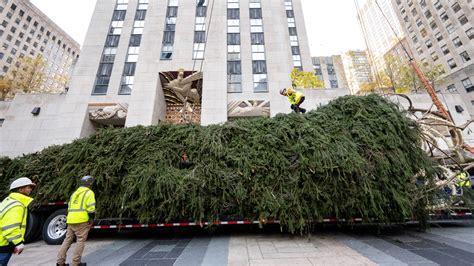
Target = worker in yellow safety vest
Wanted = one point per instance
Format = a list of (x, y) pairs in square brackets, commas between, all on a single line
[(13, 215), (296, 98), (80, 217)]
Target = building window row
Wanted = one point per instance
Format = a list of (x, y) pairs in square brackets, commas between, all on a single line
[(170, 29), (200, 30), (35, 27), (110, 48), (257, 41), (128, 74), (295, 48), (234, 63)]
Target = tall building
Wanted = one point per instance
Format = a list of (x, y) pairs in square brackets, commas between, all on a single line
[(441, 32), (357, 69), (381, 35), (330, 70), (26, 31), (182, 61)]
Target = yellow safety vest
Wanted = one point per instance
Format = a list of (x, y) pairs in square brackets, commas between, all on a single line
[(463, 181), (81, 203), (294, 96), (13, 216)]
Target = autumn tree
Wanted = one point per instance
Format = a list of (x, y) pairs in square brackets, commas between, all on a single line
[(305, 79), (26, 75), (399, 77)]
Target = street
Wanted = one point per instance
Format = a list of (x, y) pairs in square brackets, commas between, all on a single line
[(445, 244)]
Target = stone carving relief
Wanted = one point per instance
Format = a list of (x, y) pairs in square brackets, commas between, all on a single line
[(108, 114), (249, 108)]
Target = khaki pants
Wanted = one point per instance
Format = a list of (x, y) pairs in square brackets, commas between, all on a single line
[(80, 231)]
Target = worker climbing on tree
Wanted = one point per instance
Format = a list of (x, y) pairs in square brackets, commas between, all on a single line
[(296, 98)]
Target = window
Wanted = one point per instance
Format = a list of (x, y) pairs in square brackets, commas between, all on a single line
[(434, 56), (257, 38), (333, 83), (201, 11), (112, 41), (456, 7), (457, 42), (445, 49), (233, 13), (470, 33), (317, 70), (433, 25), (234, 67), (438, 36), (259, 67), (463, 19), (467, 84), (331, 70), (414, 39), (451, 63), (129, 69), (135, 39), (450, 28), (465, 56), (119, 15), (429, 44), (255, 13), (140, 15), (438, 5), (172, 12), (414, 12), (444, 16), (423, 33), (199, 37), (105, 69), (295, 50), (428, 14), (233, 38), (451, 88)]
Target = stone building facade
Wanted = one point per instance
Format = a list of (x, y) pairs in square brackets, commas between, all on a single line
[(330, 70), (26, 31), (442, 32), (148, 61)]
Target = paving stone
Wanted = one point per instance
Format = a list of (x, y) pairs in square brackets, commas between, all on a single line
[(155, 255), (174, 253), (370, 252), (253, 250), (459, 254), (440, 258), (217, 252), (295, 249), (396, 252), (280, 262), (191, 256), (340, 260), (162, 248)]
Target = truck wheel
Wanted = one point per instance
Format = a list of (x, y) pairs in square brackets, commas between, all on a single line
[(55, 227), (34, 224)]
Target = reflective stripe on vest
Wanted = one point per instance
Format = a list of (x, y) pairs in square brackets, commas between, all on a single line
[(80, 206)]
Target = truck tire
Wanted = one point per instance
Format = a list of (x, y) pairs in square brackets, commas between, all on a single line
[(34, 225), (55, 227)]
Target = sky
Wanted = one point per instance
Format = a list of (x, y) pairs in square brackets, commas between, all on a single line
[(331, 25)]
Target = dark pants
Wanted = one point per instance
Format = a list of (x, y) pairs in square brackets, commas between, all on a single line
[(4, 258), (296, 107)]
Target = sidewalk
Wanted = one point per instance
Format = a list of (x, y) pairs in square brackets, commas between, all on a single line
[(452, 245)]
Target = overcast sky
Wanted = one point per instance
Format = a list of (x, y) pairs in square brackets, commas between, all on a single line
[(331, 25)]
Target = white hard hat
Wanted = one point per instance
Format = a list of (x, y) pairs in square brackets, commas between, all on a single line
[(21, 182)]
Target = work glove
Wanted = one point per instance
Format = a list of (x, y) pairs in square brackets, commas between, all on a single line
[(18, 249)]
